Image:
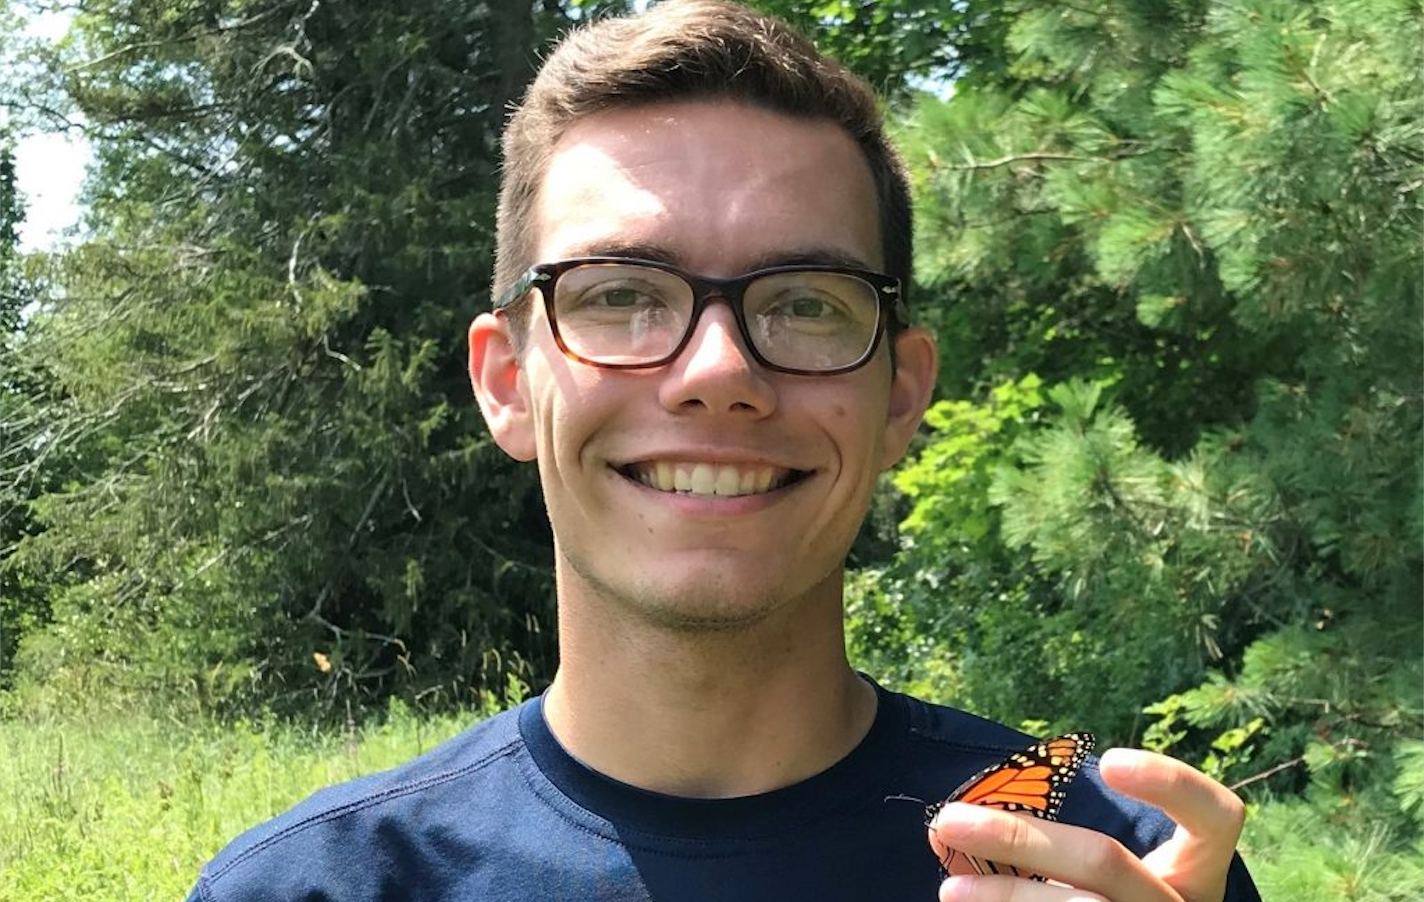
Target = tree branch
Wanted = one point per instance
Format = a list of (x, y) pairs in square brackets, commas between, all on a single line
[(190, 36), (1046, 156), (1294, 762), (1027, 158)]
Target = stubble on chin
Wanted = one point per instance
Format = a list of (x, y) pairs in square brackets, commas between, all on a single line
[(712, 606)]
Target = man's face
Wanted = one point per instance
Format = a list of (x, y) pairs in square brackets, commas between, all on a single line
[(718, 189)]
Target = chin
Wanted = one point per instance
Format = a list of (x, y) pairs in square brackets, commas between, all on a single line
[(696, 604), (711, 606)]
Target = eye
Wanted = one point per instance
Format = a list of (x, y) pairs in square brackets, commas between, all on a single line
[(808, 306), (616, 297), (619, 298)]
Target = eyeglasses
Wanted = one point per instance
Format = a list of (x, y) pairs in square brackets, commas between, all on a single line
[(621, 313)]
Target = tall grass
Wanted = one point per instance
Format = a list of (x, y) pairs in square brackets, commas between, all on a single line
[(126, 806), (120, 806)]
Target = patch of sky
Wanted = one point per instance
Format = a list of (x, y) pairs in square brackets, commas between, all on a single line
[(49, 165)]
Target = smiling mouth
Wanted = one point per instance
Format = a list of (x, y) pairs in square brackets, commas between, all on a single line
[(723, 480)]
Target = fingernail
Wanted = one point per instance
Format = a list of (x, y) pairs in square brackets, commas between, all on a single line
[(958, 814), (956, 889)]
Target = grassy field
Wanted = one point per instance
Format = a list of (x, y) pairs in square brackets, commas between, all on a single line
[(123, 806), (129, 807)]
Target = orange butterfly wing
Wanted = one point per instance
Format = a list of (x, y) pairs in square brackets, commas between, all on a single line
[(1032, 781)]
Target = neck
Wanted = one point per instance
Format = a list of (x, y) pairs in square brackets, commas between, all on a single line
[(711, 714)]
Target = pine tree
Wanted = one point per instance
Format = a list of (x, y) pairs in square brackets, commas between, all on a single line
[(22, 602), (287, 493), (1198, 224)]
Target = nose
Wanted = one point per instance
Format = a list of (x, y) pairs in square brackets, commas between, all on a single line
[(715, 371)]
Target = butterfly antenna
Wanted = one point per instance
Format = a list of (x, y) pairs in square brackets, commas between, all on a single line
[(903, 798)]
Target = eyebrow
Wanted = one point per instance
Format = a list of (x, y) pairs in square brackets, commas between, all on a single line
[(632, 250), (810, 257), (814, 256)]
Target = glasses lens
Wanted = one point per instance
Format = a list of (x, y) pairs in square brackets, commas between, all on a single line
[(812, 320), (629, 314), (621, 313)]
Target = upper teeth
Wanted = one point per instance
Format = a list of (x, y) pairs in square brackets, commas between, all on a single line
[(706, 479)]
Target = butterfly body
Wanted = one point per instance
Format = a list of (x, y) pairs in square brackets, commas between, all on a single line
[(1033, 781)]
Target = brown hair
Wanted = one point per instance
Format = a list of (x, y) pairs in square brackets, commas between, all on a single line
[(687, 50)]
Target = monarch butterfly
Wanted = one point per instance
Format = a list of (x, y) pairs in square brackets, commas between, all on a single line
[(1032, 781)]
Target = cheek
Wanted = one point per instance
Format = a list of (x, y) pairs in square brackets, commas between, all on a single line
[(559, 400), (858, 424), (577, 406)]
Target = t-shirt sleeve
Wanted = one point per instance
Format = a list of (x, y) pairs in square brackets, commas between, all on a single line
[(1239, 885)]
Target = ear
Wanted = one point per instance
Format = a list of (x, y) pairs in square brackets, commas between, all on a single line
[(911, 387), (500, 388)]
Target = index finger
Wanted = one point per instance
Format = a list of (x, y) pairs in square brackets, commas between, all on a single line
[(1200, 805)]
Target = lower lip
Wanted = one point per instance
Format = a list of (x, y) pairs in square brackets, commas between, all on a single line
[(688, 504)]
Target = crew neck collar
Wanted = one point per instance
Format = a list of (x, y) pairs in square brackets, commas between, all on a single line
[(848, 783)]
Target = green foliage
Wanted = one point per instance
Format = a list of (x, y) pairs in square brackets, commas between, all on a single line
[(949, 480), (274, 483), (899, 44), (1408, 785), (1298, 851), (1113, 533), (1198, 224), (21, 602)]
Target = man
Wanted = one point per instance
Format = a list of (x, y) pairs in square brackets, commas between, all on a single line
[(700, 337)]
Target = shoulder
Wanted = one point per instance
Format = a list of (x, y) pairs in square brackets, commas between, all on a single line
[(948, 746), (344, 828)]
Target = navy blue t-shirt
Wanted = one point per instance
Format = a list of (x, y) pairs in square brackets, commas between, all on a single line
[(502, 812)]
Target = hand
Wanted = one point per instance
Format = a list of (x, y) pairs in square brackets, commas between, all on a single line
[(1087, 865)]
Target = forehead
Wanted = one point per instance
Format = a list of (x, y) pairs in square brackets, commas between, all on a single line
[(717, 187)]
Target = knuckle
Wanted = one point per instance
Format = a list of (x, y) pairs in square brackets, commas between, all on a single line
[(1019, 890), (1020, 833), (1233, 812), (1106, 857)]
